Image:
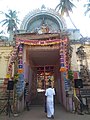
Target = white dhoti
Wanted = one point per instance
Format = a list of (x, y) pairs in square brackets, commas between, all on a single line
[(50, 108), (50, 101)]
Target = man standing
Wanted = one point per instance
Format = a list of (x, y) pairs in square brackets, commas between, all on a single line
[(26, 95), (50, 92)]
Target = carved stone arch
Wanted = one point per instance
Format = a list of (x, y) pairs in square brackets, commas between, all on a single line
[(48, 13)]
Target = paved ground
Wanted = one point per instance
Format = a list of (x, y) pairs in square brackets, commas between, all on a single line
[(37, 113)]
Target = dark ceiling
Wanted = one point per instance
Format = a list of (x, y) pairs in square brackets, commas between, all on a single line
[(43, 57)]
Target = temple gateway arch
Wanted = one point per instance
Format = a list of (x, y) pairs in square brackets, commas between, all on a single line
[(43, 54)]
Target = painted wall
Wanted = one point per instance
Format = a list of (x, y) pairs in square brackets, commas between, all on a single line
[(4, 58)]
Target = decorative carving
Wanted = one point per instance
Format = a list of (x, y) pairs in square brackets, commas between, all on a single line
[(7, 57), (49, 13), (84, 72)]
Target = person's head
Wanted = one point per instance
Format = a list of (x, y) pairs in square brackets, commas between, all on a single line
[(49, 80), (49, 86), (27, 84)]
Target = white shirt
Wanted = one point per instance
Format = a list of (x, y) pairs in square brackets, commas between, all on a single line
[(49, 93)]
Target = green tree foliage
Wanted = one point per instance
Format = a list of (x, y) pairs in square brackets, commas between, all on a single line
[(11, 20), (87, 8), (66, 6), (70, 75)]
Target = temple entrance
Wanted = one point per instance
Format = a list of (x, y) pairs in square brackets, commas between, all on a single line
[(45, 75), (45, 69), (41, 53)]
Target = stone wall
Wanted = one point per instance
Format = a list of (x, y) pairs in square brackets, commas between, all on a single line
[(75, 63), (4, 58)]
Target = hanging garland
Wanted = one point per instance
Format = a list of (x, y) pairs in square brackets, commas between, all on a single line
[(13, 57), (40, 42), (63, 56)]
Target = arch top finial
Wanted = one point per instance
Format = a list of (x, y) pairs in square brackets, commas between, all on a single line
[(43, 7)]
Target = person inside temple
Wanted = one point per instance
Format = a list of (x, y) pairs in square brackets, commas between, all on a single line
[(26, 95)]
